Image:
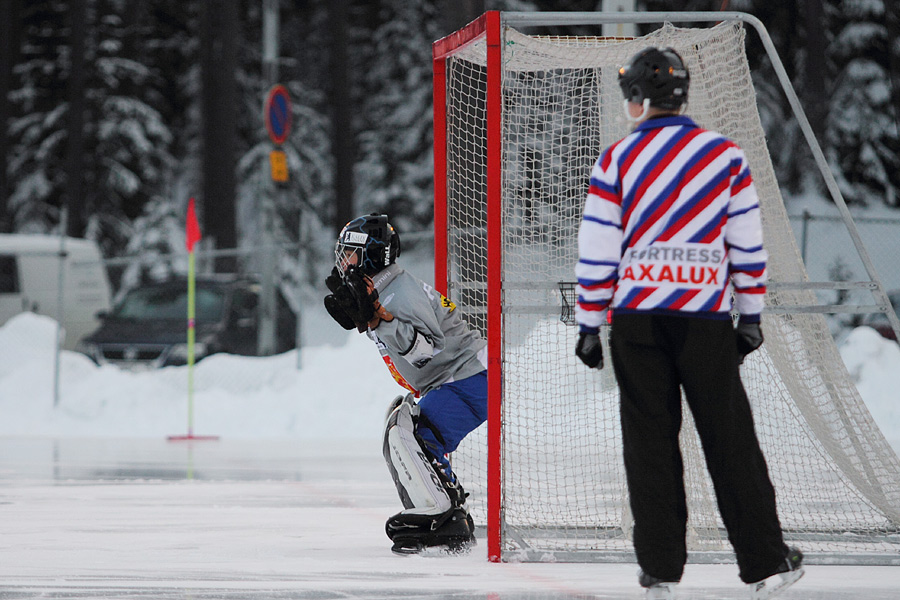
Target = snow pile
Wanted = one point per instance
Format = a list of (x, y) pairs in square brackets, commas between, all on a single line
[(340, 393), (874, 365)]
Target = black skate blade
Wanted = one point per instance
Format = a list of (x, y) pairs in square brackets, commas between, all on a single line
[(438, 551), (407, 550)]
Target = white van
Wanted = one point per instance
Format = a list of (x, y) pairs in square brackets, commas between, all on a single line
[(30, 277)]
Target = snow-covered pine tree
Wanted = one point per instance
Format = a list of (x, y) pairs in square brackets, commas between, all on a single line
[(862, 135), (154, 244), (37, 127), (126, 139), (131, 141), (394, 172)]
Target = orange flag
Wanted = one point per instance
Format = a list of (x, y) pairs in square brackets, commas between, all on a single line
[(193, 227)]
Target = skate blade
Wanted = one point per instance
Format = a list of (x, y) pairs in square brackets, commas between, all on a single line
[(770, 587), (434, 551), (407, 550), (661, 591)]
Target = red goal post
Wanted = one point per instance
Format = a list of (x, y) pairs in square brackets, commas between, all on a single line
[(487, 25)]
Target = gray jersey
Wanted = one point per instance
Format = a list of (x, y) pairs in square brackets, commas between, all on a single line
[(428, 343)]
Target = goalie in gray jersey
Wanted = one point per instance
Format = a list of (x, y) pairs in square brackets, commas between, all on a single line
[(431, 351)]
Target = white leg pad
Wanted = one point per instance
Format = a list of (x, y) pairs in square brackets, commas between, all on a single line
[(419, 486)]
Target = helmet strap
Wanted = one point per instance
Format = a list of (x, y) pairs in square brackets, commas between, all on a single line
[(645, 109)]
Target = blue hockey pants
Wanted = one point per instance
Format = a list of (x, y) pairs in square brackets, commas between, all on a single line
[(452, 411)]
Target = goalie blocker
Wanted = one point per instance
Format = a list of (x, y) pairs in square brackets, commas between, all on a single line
[(434, 512)]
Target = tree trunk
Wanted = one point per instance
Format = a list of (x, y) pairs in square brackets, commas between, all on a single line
[(75, 188), (343, 142), (815, 75), (9, 53), (218, 60), (893, 25)]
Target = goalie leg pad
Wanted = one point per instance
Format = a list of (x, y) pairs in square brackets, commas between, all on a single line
[(430, 439), (420, 486), (397, 401)]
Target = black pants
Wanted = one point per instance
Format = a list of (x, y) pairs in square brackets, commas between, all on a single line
[(654, 357)]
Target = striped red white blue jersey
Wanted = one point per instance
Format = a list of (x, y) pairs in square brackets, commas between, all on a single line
[(671, 225)]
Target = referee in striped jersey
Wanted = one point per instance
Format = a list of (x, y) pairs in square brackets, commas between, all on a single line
[(671, 243)]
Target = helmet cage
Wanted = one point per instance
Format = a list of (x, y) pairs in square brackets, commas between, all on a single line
[(369, 242)]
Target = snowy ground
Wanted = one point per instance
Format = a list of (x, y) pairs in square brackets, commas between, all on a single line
[(289, 503)]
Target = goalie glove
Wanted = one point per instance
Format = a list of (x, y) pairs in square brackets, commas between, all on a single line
[(363, 294), (337, 300), (333, 281), (589, 349), (358, 298), (749, 337), (337, 313)]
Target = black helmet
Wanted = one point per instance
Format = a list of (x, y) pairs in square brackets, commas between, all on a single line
[(372, 239), (659, 75)]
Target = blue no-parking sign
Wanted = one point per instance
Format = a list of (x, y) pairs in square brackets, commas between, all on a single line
[(277, 113)]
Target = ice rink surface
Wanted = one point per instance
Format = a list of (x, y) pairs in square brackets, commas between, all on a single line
[(238, 519)]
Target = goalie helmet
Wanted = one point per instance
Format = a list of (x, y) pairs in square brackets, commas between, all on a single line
[(658, 75), (371, 240)]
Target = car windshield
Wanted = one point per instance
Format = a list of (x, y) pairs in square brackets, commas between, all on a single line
[(149, 304)]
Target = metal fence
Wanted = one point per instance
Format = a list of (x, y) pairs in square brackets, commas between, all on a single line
[(829, 254)]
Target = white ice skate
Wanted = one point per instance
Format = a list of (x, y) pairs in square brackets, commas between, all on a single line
[(661, 591), (656, 589), (777, 583)]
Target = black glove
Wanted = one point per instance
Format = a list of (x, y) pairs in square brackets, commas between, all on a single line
[(341, 303), (749, 337), (589, 350), (334, 280), (362, 305), (337, 313)]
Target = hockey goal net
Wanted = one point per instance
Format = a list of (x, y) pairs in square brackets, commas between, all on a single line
[(519, 121)]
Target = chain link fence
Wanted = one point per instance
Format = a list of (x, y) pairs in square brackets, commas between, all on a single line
[(830, 255)]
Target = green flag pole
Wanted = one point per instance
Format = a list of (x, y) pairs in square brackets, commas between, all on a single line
[(192, 236), (192, 293)]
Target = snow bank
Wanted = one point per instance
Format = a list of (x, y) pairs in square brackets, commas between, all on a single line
[(340, 393)]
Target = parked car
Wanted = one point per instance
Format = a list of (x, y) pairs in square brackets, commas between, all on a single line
[(879, 322), (148, 327), (30, 280)]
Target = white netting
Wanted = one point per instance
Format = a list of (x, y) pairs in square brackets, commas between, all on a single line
[(564, 494)]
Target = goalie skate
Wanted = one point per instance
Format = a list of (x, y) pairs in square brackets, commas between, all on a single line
[(449, 534), (417, 549), (777, 583)]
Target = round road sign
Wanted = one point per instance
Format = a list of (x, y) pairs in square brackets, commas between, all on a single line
[(277, 112)]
